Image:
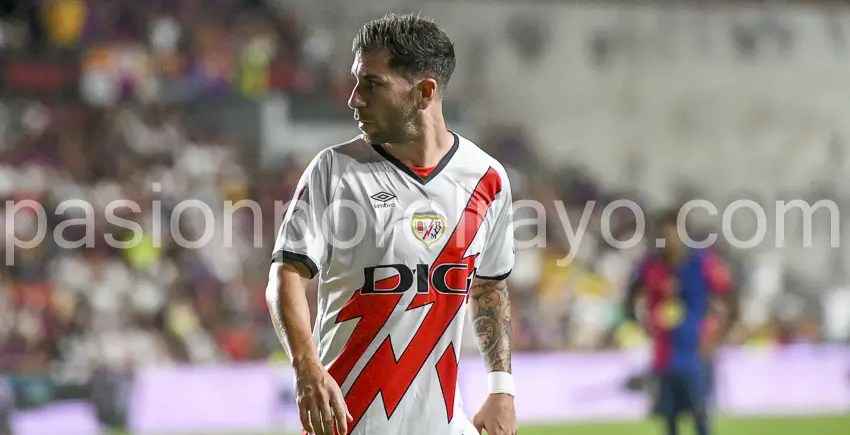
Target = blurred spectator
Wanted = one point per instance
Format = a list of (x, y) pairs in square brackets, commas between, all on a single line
[(64, 21)]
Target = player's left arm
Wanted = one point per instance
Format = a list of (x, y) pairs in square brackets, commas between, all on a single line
[(723, 296), (490, 312), (490, 309)]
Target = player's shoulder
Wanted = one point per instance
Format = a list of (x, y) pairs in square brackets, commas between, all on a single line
[(336, 158), (475, 156), (354, 150)]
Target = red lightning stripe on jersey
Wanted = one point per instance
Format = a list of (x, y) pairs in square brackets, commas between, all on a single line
[(373, 313), (392, 376)]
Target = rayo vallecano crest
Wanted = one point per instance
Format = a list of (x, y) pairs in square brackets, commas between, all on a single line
[(428, 228)]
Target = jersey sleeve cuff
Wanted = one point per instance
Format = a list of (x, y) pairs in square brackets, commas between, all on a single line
[(283, 255), (501, 277)]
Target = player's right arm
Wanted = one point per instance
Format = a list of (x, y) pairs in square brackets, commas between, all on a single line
[(299, 252), (320, 401), (289, 310)]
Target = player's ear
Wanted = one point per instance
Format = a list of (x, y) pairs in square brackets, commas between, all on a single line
[(427, 92)]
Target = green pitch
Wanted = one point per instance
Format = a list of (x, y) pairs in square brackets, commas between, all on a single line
[(789, 426), (838, 425)]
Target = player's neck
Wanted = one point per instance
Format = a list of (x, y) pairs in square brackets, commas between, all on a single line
[(426, 150)]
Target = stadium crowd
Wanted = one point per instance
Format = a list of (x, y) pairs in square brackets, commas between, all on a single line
[(70, 311)]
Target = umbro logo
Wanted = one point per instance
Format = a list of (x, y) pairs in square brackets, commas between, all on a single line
[(384, 198)]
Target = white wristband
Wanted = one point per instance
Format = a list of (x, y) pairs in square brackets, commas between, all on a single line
[(501, 383)]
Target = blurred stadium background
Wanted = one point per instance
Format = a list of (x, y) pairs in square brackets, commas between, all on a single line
[(162, 101)]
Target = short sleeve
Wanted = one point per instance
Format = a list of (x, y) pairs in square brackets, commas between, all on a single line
[(301, 236), (497, 259)]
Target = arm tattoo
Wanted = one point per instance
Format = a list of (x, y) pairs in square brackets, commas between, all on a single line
[(491, 316)]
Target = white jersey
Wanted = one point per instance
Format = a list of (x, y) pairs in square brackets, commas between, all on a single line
[(395, 253)]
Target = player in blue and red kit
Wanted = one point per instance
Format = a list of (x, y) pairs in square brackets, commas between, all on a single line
[(689, 309)]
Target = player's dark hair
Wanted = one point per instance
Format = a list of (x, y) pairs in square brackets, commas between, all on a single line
[(417, 46)]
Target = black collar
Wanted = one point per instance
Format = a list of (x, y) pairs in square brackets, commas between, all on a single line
[(404, 168)]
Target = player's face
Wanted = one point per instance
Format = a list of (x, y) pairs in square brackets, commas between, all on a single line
[(383, 101)]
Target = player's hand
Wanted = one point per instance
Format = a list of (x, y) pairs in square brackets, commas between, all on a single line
[(497, 415), (320, 401)]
